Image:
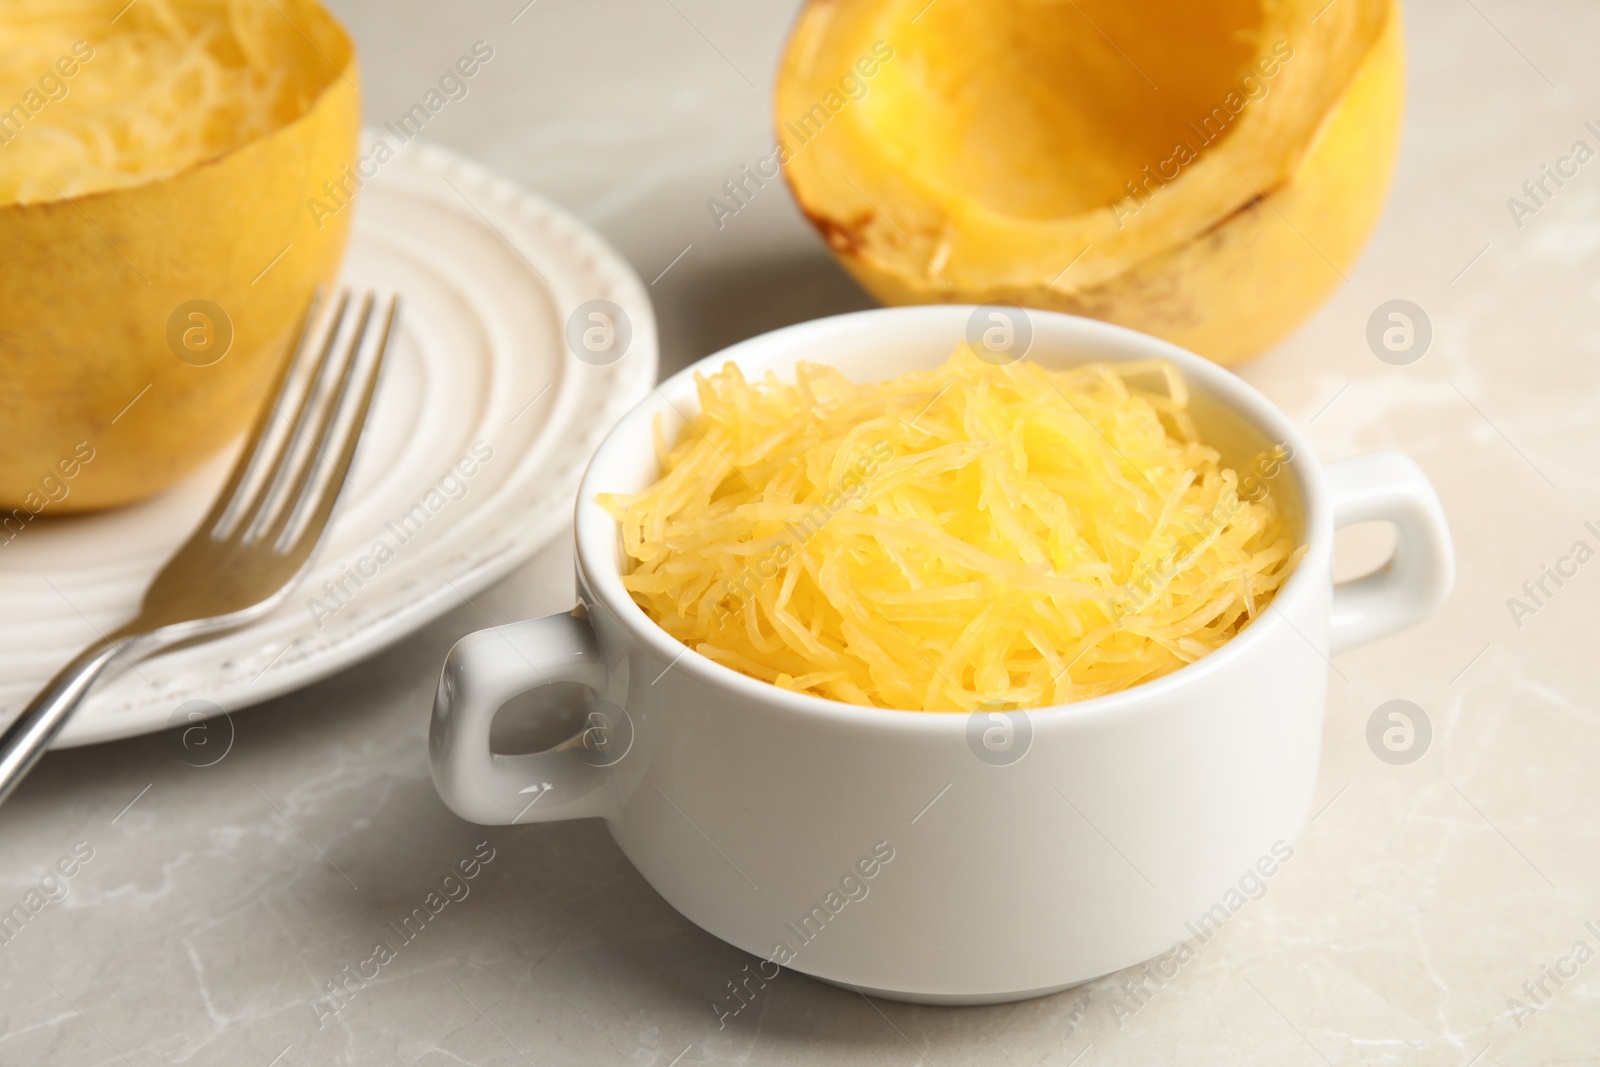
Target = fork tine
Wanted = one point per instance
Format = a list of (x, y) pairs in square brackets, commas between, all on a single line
[(319, 506), (288, 450), (207, 586), (320, 435), (228, 497)]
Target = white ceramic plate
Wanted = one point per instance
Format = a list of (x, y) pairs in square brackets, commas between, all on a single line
[(489, 276)]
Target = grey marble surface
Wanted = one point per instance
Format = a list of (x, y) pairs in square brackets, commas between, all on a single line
[(217, 902)]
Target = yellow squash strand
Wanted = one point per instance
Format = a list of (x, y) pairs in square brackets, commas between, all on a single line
[(962, 537), (89, 104)]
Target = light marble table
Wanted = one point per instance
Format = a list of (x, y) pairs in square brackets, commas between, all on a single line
[(1418, 902)]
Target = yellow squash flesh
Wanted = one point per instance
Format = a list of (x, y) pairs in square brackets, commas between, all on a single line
[(952, 539), (1206, 173), (99, 290)]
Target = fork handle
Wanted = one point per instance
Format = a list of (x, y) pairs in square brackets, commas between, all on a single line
[(26, 739)]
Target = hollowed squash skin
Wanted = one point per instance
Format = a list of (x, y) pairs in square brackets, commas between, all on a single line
[(1225, 259), (89, 286)]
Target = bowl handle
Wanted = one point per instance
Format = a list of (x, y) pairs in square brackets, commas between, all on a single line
[(482, 672), (1408, 588)]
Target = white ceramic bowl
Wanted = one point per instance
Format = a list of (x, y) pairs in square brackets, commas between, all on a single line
[(881, 849)]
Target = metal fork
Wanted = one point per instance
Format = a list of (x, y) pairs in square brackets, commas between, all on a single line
[(254, 544)]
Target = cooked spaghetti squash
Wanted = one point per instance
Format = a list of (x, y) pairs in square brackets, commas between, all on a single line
[(968, 536), (156, 156)]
